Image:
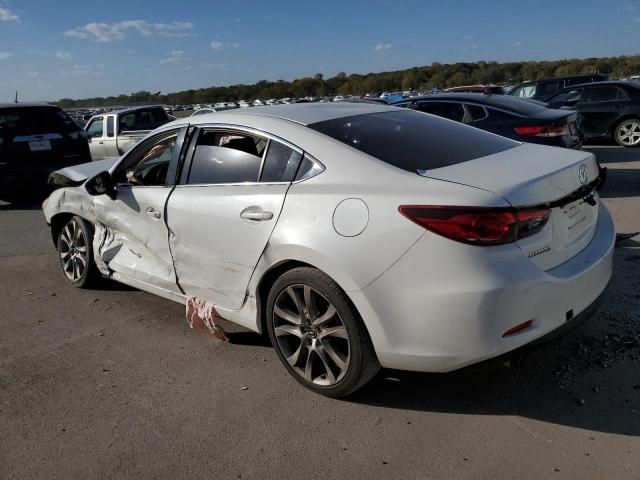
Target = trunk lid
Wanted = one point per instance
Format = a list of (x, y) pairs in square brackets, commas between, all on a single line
[(533, 175)]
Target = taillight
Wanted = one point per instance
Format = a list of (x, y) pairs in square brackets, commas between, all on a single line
[(542, 131), (478, 225)]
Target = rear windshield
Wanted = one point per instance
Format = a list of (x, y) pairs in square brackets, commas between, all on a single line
[(34, 121), (523, 106), (413, 141)]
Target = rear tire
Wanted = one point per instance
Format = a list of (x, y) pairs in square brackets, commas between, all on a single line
[(75, 253), (318, 335), (627, 133)]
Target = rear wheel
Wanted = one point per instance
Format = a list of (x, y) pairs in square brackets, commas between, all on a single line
[(318, 335), (627, 134), (75, 253)]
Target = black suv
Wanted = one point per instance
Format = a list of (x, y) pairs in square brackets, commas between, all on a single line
[(607, 109), (35, 140), (543, 89)]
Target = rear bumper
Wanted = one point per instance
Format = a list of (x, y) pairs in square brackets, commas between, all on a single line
[(444, 306)]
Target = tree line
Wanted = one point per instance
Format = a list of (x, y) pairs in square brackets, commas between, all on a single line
[(436, 75)]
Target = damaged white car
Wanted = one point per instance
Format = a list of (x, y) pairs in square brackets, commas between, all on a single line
[(356, 235)]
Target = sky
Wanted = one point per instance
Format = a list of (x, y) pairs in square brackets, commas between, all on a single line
[(55, 49)]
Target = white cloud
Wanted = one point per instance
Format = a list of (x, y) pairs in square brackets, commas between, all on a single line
[(517, 44), (175, 57), (219, 46), (7, 15), (109, 32), (468, 37), (33, 74), (383, 47), (62, 55), (5, 55)]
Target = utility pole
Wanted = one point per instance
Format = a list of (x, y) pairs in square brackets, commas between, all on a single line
[(16, 100)]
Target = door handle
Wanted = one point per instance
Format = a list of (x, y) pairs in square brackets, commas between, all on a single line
[(100, 142), (256, 214), (152, 212)]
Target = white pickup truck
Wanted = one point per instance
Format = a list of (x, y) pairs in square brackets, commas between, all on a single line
[(112, 134)]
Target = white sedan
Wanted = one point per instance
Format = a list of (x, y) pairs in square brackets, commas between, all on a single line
[(356, 235)]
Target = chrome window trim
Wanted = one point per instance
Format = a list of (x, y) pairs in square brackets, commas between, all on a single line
[(237, 184)]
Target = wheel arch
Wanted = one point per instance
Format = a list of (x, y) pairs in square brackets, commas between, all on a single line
[(621, 119), (270, 276), (57, 222)]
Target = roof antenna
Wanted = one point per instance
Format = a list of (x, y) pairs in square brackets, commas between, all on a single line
[(16, 100)]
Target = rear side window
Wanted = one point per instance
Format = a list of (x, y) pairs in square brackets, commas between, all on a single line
[(476, 112), (450, 110), (280, 164), (110, 126), (605, 94), (226, 157), (144, 119), (412, 141)]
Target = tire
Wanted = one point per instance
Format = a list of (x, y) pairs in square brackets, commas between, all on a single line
[(318, 335), (75, 253), (627, 133)]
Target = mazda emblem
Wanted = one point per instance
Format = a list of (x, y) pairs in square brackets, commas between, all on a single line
[(582, 174)]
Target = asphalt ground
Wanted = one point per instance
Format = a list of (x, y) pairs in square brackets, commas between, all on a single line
[(111, 383)]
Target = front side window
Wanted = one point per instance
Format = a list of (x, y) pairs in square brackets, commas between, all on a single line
[(572, 96), (412, 141), (148, 164), (226, 157), (95, 128), (476, 112)]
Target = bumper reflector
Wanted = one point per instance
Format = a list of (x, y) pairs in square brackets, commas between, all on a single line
[(517, 328)]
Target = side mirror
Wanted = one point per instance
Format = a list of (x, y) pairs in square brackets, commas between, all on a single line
[(101, 184)]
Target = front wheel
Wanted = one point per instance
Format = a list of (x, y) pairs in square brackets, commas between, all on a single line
[(627, 134), (75, 253), (318, 335)]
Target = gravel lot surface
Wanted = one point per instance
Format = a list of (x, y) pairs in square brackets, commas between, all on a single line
[(112, 383)]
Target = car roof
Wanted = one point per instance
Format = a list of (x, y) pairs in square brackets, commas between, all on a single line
[(303, 113), (628, 83), (505, 102), (565, 77), (27, 105), (129, 109)]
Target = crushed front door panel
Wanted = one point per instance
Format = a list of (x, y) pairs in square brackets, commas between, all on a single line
[(134, 237)]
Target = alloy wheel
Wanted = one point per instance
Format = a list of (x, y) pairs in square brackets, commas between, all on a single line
[(73, 251), (629, 133), (311, 335)]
